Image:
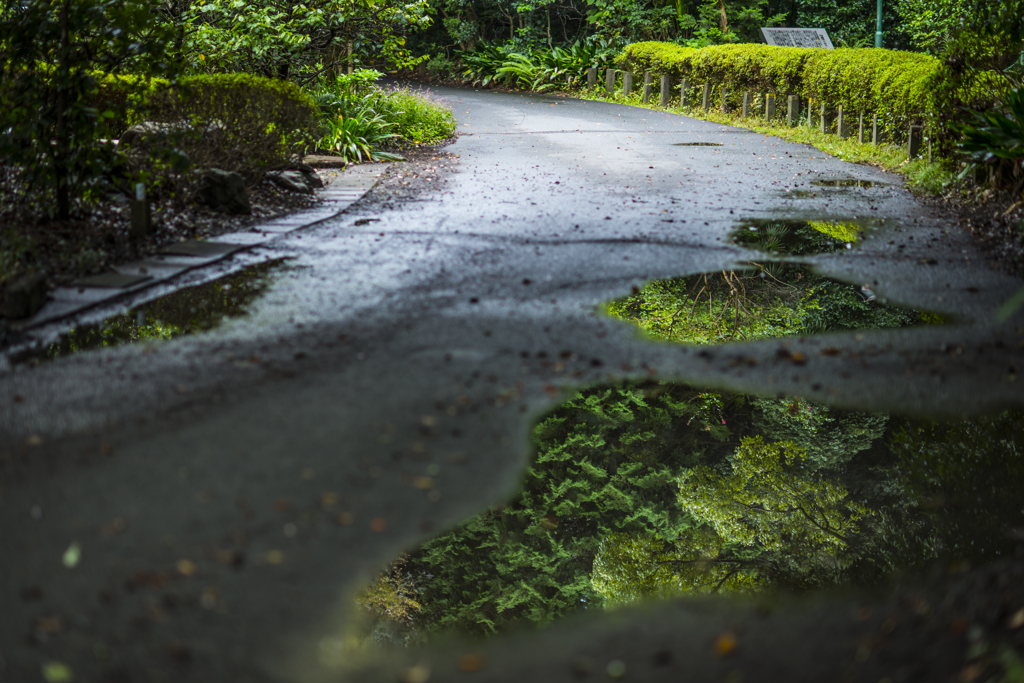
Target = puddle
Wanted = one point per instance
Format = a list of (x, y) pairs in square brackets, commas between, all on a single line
[(847, 182), (186, 311), (798, 194), (768, 301), (796, 238), (697, 144), (657, 490)]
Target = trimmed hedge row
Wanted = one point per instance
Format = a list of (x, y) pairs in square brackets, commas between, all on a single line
[(898, 87), (236, 122)]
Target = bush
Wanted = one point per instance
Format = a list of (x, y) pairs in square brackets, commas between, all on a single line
[(896, 86), (236, 122), (416, 117)]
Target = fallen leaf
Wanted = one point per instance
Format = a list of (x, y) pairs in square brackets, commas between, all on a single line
[(425, 483), (275, 557), (1016, 619), (57, 672), (416, 674), (329, 499), (346, 519), (34, 440), (379, 524), (282, 504), (725, 644), (830, 351), (970, 673), (187, 567), (471, 663), (72, 555), (50, 625)]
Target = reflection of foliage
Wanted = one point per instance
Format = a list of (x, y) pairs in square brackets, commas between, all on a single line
[(782, 301), (186, 311), (829, 437), (391, 603), (967, 478), (796, 238), (606, 464)]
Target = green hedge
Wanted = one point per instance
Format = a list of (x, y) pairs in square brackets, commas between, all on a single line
[(898, 86), (236, 122)]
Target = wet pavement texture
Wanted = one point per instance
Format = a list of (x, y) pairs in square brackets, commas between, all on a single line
[(202, 508)]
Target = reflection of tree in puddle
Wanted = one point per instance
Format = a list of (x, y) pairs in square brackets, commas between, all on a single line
[(187, 311), (660, 490), (797, 238), (769, 301)]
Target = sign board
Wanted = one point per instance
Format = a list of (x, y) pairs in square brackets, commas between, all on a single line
[(797, 37)]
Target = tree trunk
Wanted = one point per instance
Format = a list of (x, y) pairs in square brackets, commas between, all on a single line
[(550, 46), (62, 84), (725, 19)]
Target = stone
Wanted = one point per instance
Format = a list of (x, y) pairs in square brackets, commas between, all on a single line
[(24, 296), (291, 180), (145, 132), (224, 192), (309, 173)]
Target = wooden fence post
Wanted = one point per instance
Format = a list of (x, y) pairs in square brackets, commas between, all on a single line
[(666, 90), (769, 107), (609, 81), (591, 78), (705, 102), (862, 132), (793, 113), (914, 140), (746, 103), (684, 95), (826, 120), (627, 83), (876, 132), (648, 86)]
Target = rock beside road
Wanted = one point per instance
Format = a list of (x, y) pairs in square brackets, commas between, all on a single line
[(24, 296), (224, 192)]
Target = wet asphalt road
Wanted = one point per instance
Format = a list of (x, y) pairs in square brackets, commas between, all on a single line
[(227, 489)]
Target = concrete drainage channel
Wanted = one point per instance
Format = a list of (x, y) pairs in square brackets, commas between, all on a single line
[(181, 265)]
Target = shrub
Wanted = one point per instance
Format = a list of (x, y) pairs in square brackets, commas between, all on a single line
[(417, 117), (897, 86), (236, 122)]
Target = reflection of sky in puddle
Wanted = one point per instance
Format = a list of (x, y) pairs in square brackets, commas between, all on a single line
[(660, 490), (186, 311)]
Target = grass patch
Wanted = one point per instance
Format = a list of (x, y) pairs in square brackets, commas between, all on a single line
[(931, 177)]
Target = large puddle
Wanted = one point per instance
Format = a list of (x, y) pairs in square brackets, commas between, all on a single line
[(659, 490), (186, 311)]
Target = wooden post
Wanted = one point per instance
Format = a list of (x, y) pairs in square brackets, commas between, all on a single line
[(421, 70), (591, 78), (141, 214), (746, 103), (666, 90), (769, 107), (843, 127), (793, 113), (862, 132), (648, 86), (725, 98), (684, 88), (609, 81), (826, 120), (914, 139), (627, 83), (706, 97), (810, 112), (876, 132)]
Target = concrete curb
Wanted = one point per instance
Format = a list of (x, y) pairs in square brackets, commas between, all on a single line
[(131, 278)]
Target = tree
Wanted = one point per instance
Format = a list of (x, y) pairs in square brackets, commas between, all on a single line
[(298, 40), (50, 53)]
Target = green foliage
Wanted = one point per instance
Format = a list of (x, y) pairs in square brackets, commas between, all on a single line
[(299, 41), (966, 478), (996, 139), (536, 69), (49, 52), (606, 462), (360, 118), (236, 122), (897, 86)]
